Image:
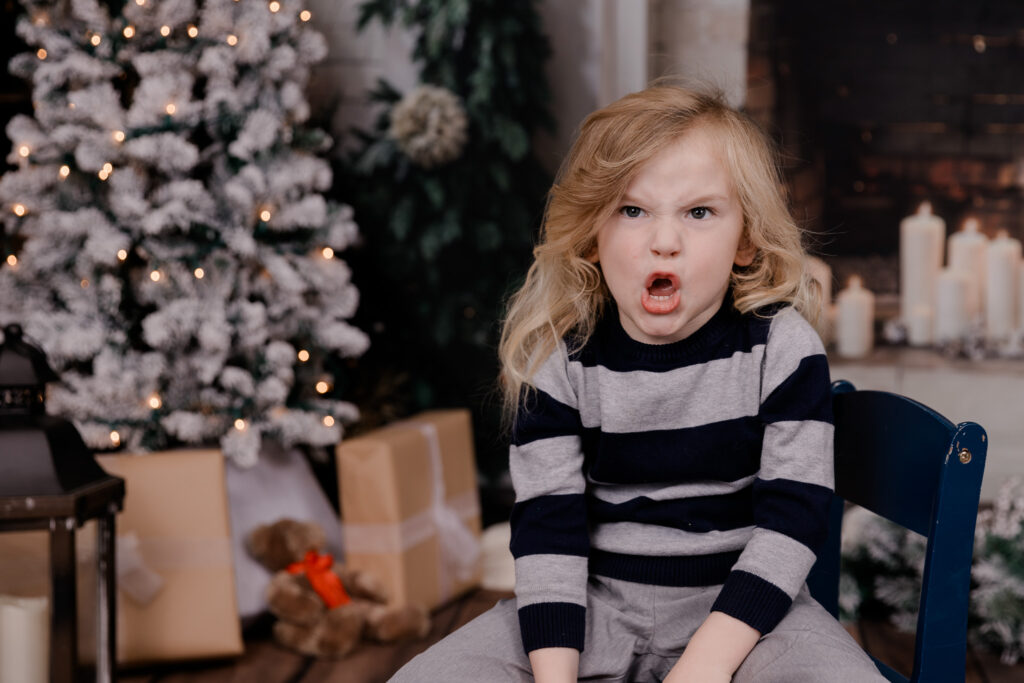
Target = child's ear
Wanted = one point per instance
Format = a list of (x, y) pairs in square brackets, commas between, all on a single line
[(745, 252)]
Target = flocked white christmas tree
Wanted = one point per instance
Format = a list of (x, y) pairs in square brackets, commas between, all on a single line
[(166, 239)]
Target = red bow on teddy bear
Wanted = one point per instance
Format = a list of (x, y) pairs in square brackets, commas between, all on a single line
[(326, 583)]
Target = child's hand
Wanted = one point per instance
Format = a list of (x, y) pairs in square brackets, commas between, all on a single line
[(555, 664), (691, 672), (715, 651)]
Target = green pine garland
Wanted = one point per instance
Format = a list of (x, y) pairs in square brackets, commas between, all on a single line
[(445, 244)]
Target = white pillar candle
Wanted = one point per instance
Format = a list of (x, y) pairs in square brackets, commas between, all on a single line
[(855, 320), (967, 254), (951, 305), (921, 244), (921, 325), (24, 640), (1002, 264)]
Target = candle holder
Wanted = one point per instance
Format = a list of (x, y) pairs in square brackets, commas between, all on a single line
[(49, 480)]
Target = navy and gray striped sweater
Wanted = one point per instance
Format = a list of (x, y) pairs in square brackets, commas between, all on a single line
[(702, 462)]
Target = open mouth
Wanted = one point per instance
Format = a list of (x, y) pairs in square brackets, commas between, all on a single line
[(661, 295)]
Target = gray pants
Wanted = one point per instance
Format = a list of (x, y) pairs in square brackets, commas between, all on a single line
[(636, 632)]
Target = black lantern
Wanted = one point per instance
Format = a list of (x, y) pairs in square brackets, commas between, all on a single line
[(49, 480)]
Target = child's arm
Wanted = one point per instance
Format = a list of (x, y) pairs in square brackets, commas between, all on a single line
[(553, 664), (716, 650)]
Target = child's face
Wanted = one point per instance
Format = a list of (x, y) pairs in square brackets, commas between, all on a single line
[(668, 251)]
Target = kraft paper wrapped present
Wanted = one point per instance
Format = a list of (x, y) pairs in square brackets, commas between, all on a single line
[(176, 592), (410, 508)]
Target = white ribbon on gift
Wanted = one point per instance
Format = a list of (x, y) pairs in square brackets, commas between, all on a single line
[(459, 547)]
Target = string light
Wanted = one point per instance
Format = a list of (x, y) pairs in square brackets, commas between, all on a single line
[(118, 135), (122, 254), (154, 401), (24, 151), (328, 253), (71, 105), (328, 421), (199, 273), (115, 438), (265, 215), (41, 53), (64, 171), (165, 30), (303, 355), (322, 387), (305, 15), (232, 39), (192, 31), (84, 283), (240, 424), (19, 209), (129, 31), (12, 260), (108, 167), (96, 39), (140, 3), (103, 174), (170, 109), (154, 275), (274, 6)]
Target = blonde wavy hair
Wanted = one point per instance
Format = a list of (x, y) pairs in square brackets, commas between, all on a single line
[(563, 295)]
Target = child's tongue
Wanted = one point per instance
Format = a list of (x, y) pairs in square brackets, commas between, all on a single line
[(661, 287)]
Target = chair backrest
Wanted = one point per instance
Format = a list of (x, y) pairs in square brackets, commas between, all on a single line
[(905, 462)]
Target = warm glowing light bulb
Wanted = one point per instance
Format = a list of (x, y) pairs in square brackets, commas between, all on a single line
[(115, 438), (108, 167), (84, 283), (240, 424), (199, 273), (122, 254), (19, 209), (103, 174), (328, 253), (170, 109), (129, 31), (140, 3), (41, 53), (303, 355), (322, 387), (12, 260), (232, 39), (305, 15), (265, 215), (192, 31), (71, 105), (274, 6), (328, 421), (96, 39), (118, 135), (154, 401), (64, 171), (165, 30), (154, 275), (24, 151)]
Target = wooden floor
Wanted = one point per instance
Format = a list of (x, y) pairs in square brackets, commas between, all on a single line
[(265, 662)]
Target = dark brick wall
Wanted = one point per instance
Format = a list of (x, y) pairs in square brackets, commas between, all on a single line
[(881, 105)]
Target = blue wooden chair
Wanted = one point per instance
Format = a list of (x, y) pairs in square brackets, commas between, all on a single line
[(905, 462)]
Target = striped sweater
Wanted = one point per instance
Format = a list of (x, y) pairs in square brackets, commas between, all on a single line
[(702, 462)]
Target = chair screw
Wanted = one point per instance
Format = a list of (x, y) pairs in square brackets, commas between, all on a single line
[(965, 456)]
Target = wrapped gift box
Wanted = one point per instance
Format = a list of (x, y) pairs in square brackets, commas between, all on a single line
[(410, 508), (176, 597)]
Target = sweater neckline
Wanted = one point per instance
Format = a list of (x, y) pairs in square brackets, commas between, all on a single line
[(706, 337)]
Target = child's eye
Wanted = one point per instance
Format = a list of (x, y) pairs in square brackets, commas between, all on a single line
[(631, 211), (700, 212)]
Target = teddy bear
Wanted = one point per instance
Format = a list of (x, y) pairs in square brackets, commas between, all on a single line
[(323, 608)]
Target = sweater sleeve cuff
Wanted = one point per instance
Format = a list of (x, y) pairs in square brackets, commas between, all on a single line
[(754, 601), (552, 624)]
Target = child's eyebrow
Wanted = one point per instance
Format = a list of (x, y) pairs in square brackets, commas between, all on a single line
[(695, 201)]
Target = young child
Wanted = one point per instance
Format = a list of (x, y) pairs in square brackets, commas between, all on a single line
[(672, 438)]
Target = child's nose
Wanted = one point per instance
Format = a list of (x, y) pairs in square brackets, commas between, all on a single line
[(666, 240)]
